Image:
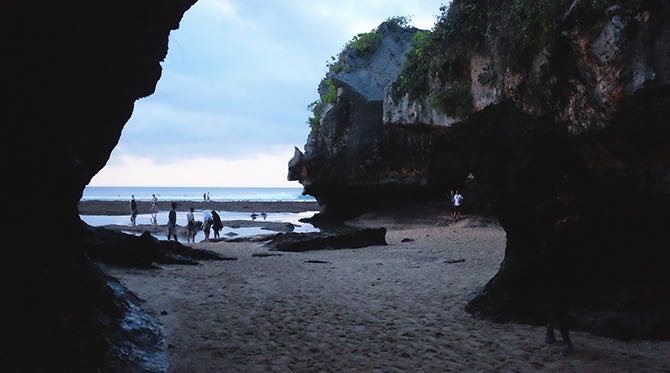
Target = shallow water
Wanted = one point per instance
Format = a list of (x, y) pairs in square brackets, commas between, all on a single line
[(195, 194), (162, 218)]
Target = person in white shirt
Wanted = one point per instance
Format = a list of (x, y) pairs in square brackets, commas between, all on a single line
[(457, 201), (190, 226), (206, 223), (154, 209)]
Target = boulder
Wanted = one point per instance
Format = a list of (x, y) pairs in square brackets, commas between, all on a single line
[(349, 239)]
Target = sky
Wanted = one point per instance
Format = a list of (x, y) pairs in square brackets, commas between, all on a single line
[(232, 101)]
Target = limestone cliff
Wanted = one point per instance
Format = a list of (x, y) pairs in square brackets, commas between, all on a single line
[(71, 72), (353, 161), (549, 103)]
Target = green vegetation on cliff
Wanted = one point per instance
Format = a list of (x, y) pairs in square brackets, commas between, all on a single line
[(361, 45), (512, 32), (366, 43), (319, 105)]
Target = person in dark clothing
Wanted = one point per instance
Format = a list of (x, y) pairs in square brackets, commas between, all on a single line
[(172, 222), (217, 225), (133, 211), (560, 226)]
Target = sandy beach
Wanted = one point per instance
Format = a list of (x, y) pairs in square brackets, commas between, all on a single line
[(385, 308), (95, 207)]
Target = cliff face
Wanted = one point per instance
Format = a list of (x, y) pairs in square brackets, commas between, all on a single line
[(71, 72), (353, 161), (559, 110), (565, 106)]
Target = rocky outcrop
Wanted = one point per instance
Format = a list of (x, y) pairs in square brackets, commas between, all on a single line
[(574, 118), (71, 73), (413, 110), (343, 239), (144, 251), (559, 111), (353, 161)]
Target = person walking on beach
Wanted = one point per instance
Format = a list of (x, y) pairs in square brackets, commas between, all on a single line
[(133, 210), (204, 197), (217, 225), (208, 197), (154, 209), (457, 202), (206, 223), (172, 222), (190, 226)]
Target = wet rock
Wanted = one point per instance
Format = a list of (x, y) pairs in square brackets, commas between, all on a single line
[(126, 250), (265, 255), (266, 225), (354, 238)]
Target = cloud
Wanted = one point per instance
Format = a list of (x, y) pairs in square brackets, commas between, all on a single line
[(238, 77), (259, 170)]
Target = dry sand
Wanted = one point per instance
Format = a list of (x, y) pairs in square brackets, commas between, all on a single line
[(390, 308)]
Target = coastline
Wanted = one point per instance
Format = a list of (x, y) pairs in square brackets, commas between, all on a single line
[(118, 208)]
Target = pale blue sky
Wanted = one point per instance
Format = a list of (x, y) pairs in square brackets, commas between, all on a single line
[(231, 103)]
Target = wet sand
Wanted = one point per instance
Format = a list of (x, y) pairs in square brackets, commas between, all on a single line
[(123, 207), (388, 308)]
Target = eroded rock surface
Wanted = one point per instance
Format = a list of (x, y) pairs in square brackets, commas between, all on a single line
[(566, 101)]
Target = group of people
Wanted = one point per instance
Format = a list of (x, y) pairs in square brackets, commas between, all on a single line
[(134, 210), (211, 219)]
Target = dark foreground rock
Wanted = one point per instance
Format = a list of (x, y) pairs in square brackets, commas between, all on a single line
[(181, 230), (352, 239), (266, 225), (73, 71), (120, 249)]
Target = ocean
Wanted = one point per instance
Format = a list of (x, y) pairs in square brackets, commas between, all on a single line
[(162, 217), (196, 194)]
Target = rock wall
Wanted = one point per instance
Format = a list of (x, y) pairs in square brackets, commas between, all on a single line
[(575, 122), (559, 110), (352, 160), (71, 72)]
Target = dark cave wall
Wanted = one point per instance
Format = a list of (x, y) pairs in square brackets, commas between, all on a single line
[(71, 72)]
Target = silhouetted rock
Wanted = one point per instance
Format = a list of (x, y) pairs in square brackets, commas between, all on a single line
[(121, 249), (571, 101), (73, 71), (352, 239)]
